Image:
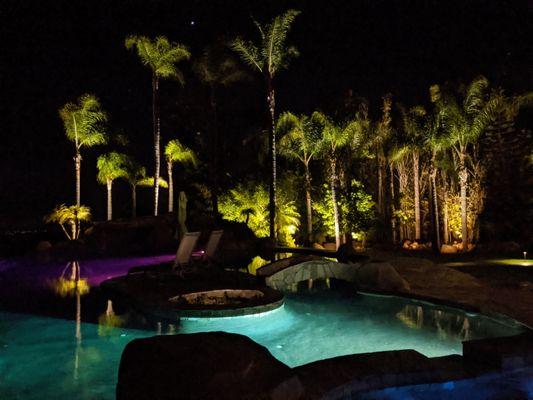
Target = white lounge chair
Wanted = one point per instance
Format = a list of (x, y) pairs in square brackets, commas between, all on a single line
[(212, 244), (185, 249)]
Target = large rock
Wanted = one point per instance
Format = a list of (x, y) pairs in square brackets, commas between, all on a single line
[(215, 365), (381, 276), (448, 249)]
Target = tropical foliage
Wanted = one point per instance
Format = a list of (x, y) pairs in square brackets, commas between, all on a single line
[(69, 218), (176, 152), (249, 204)]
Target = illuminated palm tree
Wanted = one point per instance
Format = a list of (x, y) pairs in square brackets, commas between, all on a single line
[(110, 167), (334, 137), (216, 69), (69, 217), (463, 124), (300, 141), (414, 128), (136, 176), (270, 55), (175, 152), (161, 56), (84, 123)]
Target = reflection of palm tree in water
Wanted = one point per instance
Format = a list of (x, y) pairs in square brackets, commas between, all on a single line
[(73, 286)]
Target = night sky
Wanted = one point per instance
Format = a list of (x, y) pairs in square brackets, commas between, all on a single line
[(53, 51)]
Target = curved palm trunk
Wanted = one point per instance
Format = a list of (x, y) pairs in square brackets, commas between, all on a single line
[(333, 182), (170, 187), (133, 201), (308, 203), (77, 167), (416, 187), (157, 141), (463, 182), (109, 200), (272, 149)]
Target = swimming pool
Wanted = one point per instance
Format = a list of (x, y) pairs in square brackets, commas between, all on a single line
[(52, 358)]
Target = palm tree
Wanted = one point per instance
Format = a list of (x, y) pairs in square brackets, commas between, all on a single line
[(464, 123), (413, 126), (161, 56), (136, 176), (69, 217), (176, 152), (269, 56), (333, 137), (110, 167), (216, 69), (84, 123), (299, 141)]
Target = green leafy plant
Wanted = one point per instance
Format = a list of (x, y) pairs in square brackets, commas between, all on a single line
[(111, 166), (249, 204), (69, 218)]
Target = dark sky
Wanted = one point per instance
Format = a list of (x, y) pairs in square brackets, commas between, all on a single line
[(53, 51)]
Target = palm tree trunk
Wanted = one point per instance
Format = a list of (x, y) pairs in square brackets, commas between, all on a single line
[(308, 203), (157, 140), (435, 206), (416, 186), (380, 186), (214, 154), (393, 209), (170, 187), (77, 167), (446, 217), (272, 149), (109, 200), (333, 183), (133, 201), (463, 182)]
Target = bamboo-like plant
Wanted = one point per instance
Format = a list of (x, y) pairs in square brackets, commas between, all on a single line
[(270, 55), (84, 123), (176, 152), (162, 57)]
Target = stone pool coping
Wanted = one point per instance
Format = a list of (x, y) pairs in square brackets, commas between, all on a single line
[(231, 312)]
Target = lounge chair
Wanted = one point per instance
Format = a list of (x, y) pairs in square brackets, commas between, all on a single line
[(212, 245), (185, 249)]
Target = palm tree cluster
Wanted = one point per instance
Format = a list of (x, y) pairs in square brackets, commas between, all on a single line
[(425, 168), (402, 173)]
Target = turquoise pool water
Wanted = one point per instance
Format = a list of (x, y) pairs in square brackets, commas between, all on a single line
[(45, 358)]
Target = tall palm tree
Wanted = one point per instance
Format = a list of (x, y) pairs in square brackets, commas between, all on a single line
[(216, 69), (300, 141), (161, 56), (333, 137), (69, 217), (110, 167), (270, 55), (175, 152), (414, 128), (84, 123), (464, 123)]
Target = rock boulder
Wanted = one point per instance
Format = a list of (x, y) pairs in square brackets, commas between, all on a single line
[(215, 365)]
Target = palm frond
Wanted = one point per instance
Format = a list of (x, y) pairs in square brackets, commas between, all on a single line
[(175, 151), (112, 166), (248, 52)]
